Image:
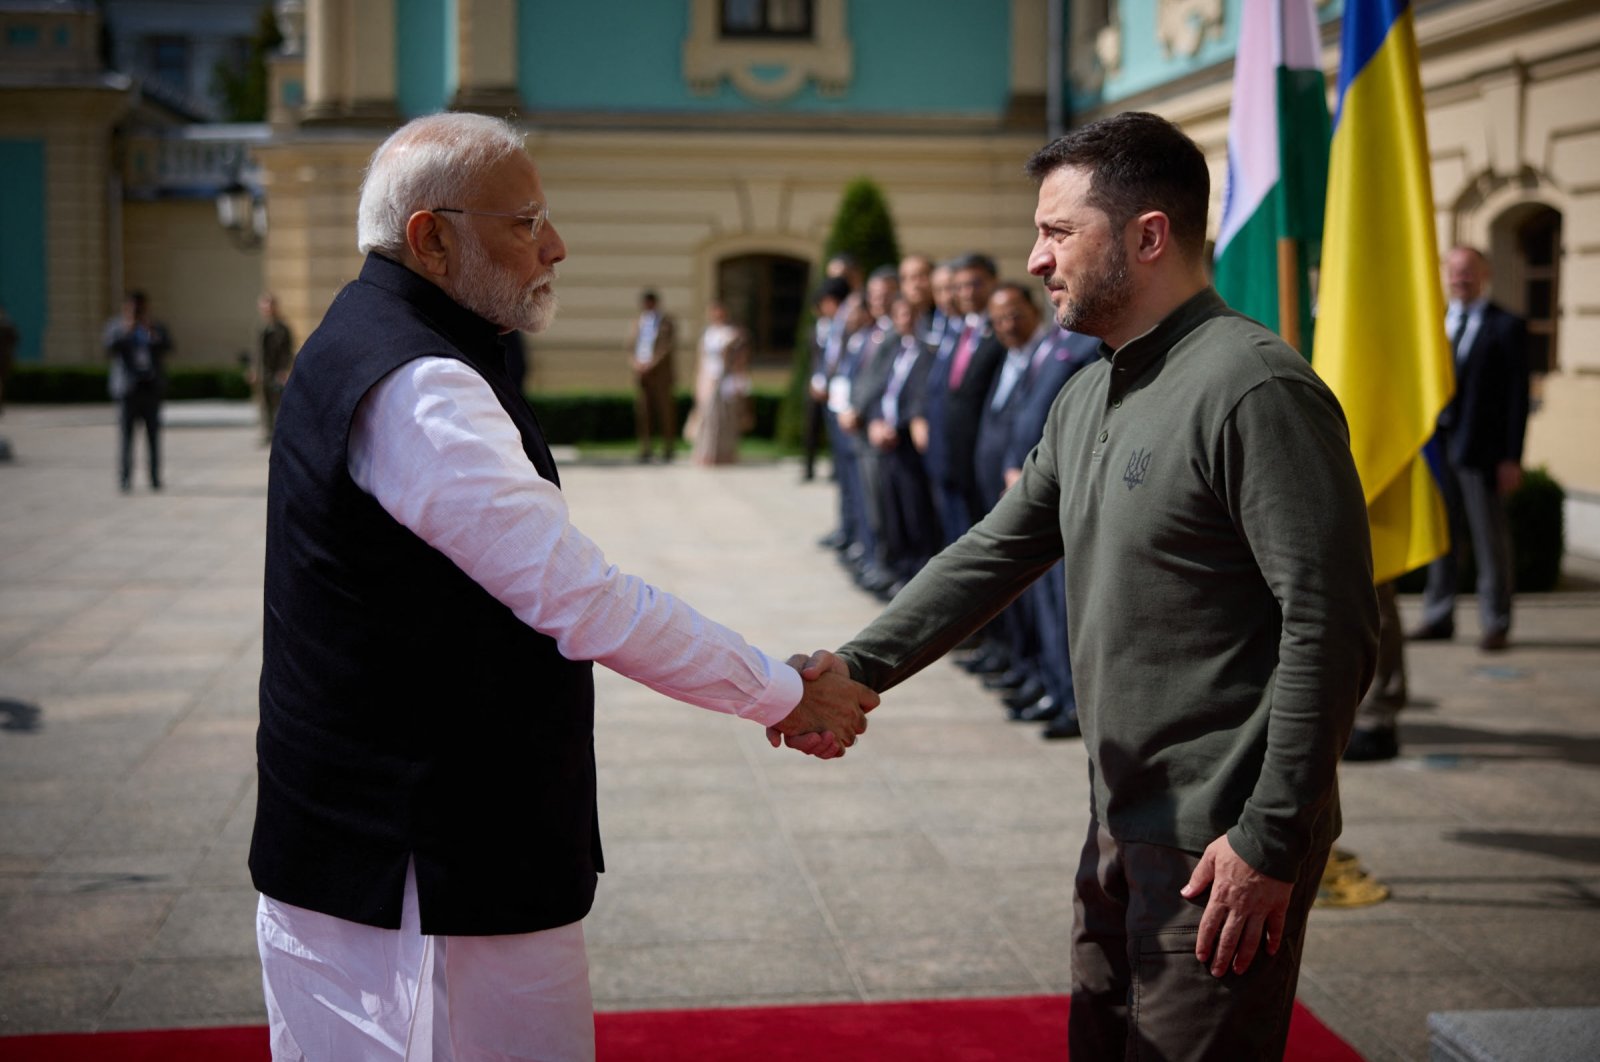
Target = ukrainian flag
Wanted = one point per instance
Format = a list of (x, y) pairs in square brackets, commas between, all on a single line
[(1380, 338)]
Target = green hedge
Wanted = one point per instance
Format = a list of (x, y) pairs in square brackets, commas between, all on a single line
[(87, 383), (566, 418), (1538, 531), (608, 417), (1538, 539)]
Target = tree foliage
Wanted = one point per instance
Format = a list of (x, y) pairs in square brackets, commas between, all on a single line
[(864, 229), (243, 90)]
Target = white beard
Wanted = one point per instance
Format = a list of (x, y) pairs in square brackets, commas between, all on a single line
[(497, 296)]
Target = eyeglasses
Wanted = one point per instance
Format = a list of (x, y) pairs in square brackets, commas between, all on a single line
[(536, 222)]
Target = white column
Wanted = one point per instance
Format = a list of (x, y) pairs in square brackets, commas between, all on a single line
[(323, 90), (1030, 37), (370, 59), (487, 39)]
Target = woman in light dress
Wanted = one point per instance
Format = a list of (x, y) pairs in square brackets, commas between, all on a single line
[(721, 390)]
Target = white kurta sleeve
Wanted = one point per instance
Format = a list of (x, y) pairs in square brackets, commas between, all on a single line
[(434, 446)]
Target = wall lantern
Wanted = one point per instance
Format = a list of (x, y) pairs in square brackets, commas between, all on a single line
[(242, 211)]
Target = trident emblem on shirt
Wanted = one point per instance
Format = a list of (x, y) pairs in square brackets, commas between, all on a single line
[(1138, 465)]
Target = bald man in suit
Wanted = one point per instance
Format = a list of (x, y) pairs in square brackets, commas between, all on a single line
[(1480, 440)]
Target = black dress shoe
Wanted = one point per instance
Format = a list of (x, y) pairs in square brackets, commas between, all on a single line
[(1064, 725), (1024, 694), (834, 540), (970, 663), (987, 664), (1012, 678), (1393, 697), (873, 578), (1494, 642), (1372, 745), (1431, 632), (1042, 710)]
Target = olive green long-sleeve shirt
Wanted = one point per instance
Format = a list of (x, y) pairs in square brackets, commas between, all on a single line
[(1219, 586)]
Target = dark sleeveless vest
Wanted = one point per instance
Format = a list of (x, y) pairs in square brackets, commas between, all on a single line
[(405, 713)]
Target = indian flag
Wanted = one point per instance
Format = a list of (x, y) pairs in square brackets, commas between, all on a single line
[(1381, 345), (1277, 168)]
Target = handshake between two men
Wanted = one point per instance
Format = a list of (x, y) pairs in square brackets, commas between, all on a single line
[(832, 711)]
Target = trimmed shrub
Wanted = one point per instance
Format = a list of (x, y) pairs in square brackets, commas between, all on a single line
[(1538, 539), (67, 384), (565, 418), (863, 228), (1538, 531), (791, 419), (575, 418), (57, 384)]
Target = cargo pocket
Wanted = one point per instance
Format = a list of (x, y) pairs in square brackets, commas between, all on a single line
[(1160, 997)]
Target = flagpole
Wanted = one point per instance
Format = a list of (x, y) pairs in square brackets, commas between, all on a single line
[(1289, 291)]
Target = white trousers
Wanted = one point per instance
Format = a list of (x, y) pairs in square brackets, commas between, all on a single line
[(338, 991)]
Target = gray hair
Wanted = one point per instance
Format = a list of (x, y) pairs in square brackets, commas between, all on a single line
[(428, 162)]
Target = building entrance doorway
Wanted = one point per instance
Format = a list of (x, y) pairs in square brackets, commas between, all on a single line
[(766, 294)]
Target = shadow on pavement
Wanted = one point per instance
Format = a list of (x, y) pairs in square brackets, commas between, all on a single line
[(1582, 645), (1580, 848), (1547, 893), (1538, 745), (18, 715)]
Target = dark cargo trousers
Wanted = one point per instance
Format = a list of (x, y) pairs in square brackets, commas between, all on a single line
[(1139, 993)]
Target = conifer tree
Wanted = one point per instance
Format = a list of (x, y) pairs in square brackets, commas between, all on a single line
[(864, 229)]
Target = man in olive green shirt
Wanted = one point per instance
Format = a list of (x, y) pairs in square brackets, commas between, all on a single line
[(1222, 614)]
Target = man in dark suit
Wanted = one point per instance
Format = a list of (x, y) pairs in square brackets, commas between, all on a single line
[(975, 358), (916, 285), (824, 304), (911, 532), (1012, 637), (138, 347), (867, 382), (1055, 360), (957, 388), (1480, 450), (928, 418)]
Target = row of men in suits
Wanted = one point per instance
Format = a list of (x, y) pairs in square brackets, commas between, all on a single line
[(936, 381)]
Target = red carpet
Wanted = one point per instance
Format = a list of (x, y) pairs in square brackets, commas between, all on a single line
[(959, 1030)]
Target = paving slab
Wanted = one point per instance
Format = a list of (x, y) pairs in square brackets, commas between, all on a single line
[(934, 861)]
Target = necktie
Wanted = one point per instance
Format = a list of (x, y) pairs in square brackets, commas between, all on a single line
[(897, 381), (1460, 333), (1016, 365), (1041, 352), (963, 354)]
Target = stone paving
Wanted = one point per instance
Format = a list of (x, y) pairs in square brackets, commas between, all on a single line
[(933, 861)]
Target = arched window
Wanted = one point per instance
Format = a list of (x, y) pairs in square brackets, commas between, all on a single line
[(766, 293), (1538, 263)]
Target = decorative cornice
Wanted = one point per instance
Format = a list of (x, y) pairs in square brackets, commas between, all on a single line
[(1182, 25), (825, 60), (777, 122)]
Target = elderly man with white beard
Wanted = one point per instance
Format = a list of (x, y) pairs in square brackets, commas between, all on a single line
[(426, 843)]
